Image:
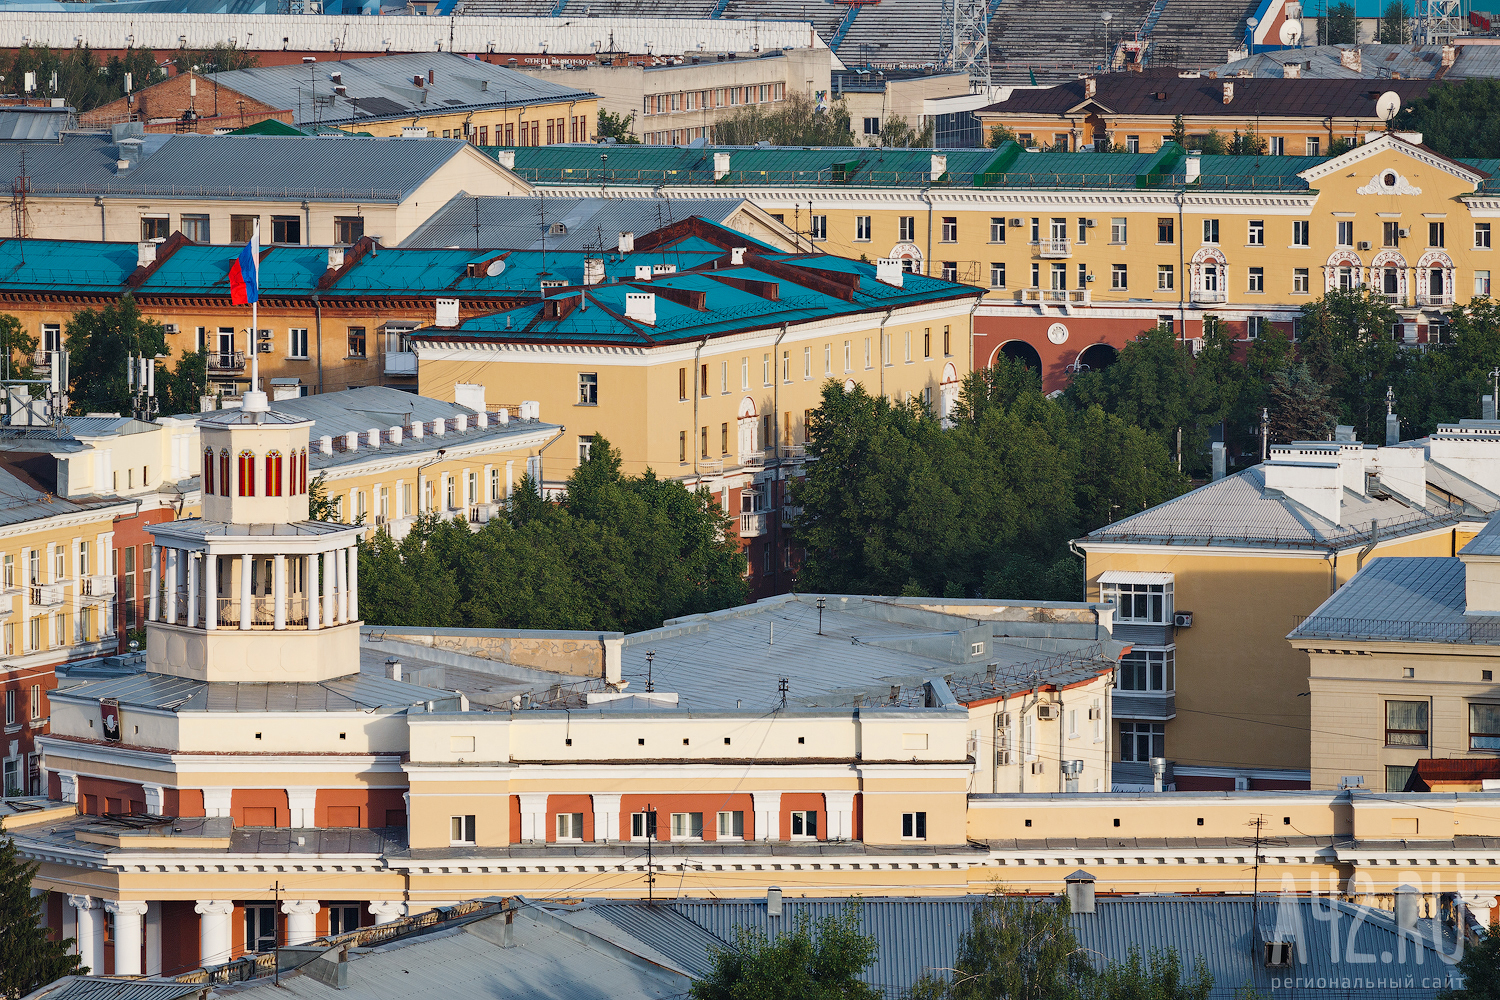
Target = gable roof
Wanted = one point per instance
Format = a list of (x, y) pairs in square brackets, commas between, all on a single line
[(1391, 141), (1137, 94)]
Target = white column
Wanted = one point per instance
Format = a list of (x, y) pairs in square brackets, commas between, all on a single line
[(341, 567), (533, 816), (68, 780), (153, 938), (606, 818), (192, 589), (216, 801), (90, 932), (247, 576), (330, 599), (41, 919), (767, 815), (155, 799), (210, 590), (301, 920), (171, 579), (385, 910), (278, 592), (354, 583), (840, 807), (153, 611), (213, 930), (421, 495), (302, 802), (311, 587), (128, 914)]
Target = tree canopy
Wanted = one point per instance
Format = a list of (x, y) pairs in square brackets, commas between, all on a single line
[(1480, 970), (616, 553), (100, 340), (807, 961), (28, 957), (797, 121), (1457, 119), (1340, 25)]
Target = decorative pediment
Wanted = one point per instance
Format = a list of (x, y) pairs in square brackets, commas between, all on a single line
[(1389, 142), (1389, 182)]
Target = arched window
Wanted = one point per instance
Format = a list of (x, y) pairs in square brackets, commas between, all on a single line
[(224, 472), (208, 472), (302, 473), (247, 473), (273, 474)]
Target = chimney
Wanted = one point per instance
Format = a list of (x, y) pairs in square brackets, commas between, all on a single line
[(447, 313), (351, 441), (439, 427), (643, 272), (145, 254), (1291, 71), (507, 158), (393, 669), (416, 80), (469, 394), (416, 430), (1159, 773), (1450, 54), (1392, 430), (336, 76), (1080, 891), (208, 404), (341, 90), (939, 165), (1487, 408), (429, 76), (889, 270), (372, 437), (737, 255), (335, 258), (1228, 91), (641, 307), (721, 166), (773, 901), (1349, 58), (1090, 86), (627, 242), (1194, 166), (1408, 906), (1221, 461), (396, 432), (593, 270), (325, 444)]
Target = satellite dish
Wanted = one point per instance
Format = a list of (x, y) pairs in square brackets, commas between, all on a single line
[(496, 266), (1291, 32), (1387, 105)]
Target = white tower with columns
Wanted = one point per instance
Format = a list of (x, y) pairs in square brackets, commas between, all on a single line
[(254, 564)]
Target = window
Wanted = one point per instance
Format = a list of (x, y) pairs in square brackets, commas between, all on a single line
[(585, 447), (260, 928), (1257, 280), (1484, 727), (1390, 233), (1276, 145), (1210, 231), (1036, 276), (1117, 230), (1139, 602), (687, 826), (724, 438), (997, 230), (827, 359), (908, 228), (872, 126), (848, 357), (1300, 234), (1299, 279), (461, 830), (682, 447), (731, 824), (223, 477), (1036, 230), (155, 227), (862, 228), (208, 484), (1482, 235), (723, 377), (1257, 233), (247, 474), (1140, 741), (1164, 230), (36, 701), (914, 826), (1148, 670), (1118, 278), (765, 370), (1164, 277), (51, 337), (807, 362), (348, 229), (10, 707), (1396, 777), (804, 825), (1481, 282), (643, 825), (1278, 954), (195, 228), (950, 229), (297, 342), (927, 342), (1435, 234), (1254, 327), (786, 366), (950, 270), (59, 563), (1346, 232), (819, 224), (1314, 146), (588, 388), (356, 342), (570, 826), (1406, 723), (242, 228)]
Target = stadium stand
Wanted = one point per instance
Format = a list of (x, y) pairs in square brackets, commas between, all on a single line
[(505, 8), (1054, 39), (1198, 34), (631, 8), (895, 33), (824, 16)]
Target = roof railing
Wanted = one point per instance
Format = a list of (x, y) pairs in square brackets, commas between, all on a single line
[(1396, 630)]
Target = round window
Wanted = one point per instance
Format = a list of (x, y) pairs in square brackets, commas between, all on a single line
[(1390, 180)]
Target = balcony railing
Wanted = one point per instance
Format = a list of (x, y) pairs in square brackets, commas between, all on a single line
[(1053, 296), (710, 466), (1210, 295), (1052, 249), (41, 361), (400, 363), (44, 595), (226, 361), (262, 611), (752, 525), (102, 585), (481, 513), (790, 514), (753, 459), (794, 453), (1434, 299)]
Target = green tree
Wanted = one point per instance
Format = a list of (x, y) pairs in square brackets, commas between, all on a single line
[(28, 957), (897, 131), (1179, 132), (1480, 970), (1346, 339), (1300, 407), (999, 136), (221, 58), (1457, 119), (1213, 143), (1160, 976), (99, 341), (17, 347), (1340, 25), (1249, 144), (618, 128), (1016, 948), (1394, 29), (797, 121), (1339, 145), (821, 961)]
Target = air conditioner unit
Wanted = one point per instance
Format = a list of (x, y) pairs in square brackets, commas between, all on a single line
[(1405, 232), (1088, 277), (1091, 223), (1002, 758), (1046, 711), (1364, 244), (265, 347), (1183, 619), (1095, 714), (263, 334), (171, 328), (1038, 767), (1017, 223)]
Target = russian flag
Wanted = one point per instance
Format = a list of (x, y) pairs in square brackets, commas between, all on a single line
[(244, 273)]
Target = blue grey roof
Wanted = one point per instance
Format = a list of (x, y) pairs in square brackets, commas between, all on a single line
[(21, 502), (267, 167), (89, 988), (384, 87), (1487, 542), (363, 691), (526, 223), (1377, 62), (1416, 598), (35, 123)]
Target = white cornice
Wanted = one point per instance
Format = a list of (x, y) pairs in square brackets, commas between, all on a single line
[(410, 461), (122, 755), (46, 522), (1387, 143)]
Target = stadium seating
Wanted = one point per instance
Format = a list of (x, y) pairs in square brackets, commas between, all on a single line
[(824, 16), (1056, 39), (895, 33), (1198, 34)]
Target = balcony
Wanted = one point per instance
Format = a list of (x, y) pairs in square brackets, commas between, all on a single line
[(753, 460), (796, 454), (479, 513), (1147, 706), (400, 363), (41, 362), (1064, 298), (226, 361), (99, 586), (790, 514), (753, 525), (397, 527), (710, 467), (262, 611), (44, 595), (1434, 299), (1054, 249), (1210, 295)]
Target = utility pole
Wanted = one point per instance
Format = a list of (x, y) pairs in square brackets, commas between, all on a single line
[(650, 658), (650, 862), (276, 935)]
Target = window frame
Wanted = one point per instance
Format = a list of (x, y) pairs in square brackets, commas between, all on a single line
[(1493, 737), (914, 825), (1111, 591), (808, 819), (588, 389), (573, 821), (466, 829), (1425, 733)]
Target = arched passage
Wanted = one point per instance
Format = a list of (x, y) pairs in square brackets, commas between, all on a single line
[(1019, 350), (1091, 359)]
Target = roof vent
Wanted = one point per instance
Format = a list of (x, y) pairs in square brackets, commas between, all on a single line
[(506, 158), (341, 90), (335, 258), (1228, 92), (145, 253), (1080, 891), (1090, 86), (593, 270), (627, 242), (737, 255), (447, 312), (643, 272), (1194, 166), (641, 307), (721, 166), (939, 165), (336, 76), (773, 901), (416, 80), (889, 271)]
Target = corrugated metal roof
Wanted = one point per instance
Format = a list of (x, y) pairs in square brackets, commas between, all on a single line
[(20, 502), (1139, 94), (385, 87), (1402, 597), (1379, 64), (531, 223), (363, 691), (34, 123), (1487, 542), (88, 988)]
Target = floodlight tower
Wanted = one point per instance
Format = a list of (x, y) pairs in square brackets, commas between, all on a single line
[(966, 41)]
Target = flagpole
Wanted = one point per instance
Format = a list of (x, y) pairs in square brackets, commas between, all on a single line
[(254, 345)]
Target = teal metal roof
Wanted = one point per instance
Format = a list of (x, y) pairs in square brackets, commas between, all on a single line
[(788, 288), (1010, 166), (65, 264)]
